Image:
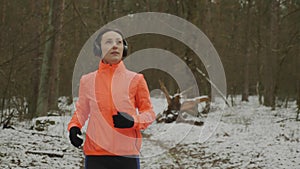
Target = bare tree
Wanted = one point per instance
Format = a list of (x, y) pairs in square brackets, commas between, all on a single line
[(270, 61), (298, 94), (42, 100), (269, 31), (258, 45), (57, 53), (245, 93)]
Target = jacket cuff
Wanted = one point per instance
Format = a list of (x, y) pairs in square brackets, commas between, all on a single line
[(72, 125)]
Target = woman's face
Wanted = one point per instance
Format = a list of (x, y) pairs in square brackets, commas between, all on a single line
[(112, 47)]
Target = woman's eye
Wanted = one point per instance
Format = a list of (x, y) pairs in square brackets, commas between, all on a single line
[(109, 42), (119, 42)]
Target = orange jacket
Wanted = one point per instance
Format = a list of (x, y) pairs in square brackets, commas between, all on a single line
[(102, 94)]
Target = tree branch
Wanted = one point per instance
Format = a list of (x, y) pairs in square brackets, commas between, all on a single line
[(81, 19)]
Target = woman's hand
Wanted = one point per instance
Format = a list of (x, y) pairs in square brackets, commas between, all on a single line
[(75, 140), (123, 120)]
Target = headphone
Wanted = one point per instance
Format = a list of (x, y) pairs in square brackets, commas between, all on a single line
[(97, 43)]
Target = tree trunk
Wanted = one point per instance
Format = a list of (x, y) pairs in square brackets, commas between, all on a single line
[(207, 23), (32, 93), (298, 83), (42, 100), (3, 94), (298, 98), (245, 93), (3, 21), (258, 48), (233, 47), (271, 58), (56, 57)]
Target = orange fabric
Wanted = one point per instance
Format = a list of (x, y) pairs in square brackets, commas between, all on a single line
[(102, 94)]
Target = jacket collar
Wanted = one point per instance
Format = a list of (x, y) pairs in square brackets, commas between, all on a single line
[(104, 66)]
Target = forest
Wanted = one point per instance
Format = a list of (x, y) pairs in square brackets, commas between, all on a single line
[(258, 42)]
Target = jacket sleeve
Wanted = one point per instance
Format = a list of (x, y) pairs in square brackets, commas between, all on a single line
[(146, 114), (82, 107)]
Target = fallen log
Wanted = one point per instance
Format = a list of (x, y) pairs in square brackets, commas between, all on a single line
[(175, 109), (48, 153), (190, 106), (38, 133)]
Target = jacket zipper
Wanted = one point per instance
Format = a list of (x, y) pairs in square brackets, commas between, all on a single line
[(111, 101)]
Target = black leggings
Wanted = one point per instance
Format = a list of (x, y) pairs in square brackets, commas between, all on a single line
[(112, 162)]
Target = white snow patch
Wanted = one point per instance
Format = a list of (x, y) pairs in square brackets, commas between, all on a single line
[(247, 136)]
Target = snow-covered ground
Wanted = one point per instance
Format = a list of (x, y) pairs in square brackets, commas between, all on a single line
[(247, 136)]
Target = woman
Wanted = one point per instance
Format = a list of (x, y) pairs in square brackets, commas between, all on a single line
[(118, 106)]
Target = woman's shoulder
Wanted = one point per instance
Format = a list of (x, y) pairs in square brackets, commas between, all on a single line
[(88, 76), (135, 74), (137, 79)]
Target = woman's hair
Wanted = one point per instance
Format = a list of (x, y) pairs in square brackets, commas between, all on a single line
[(97, 43)]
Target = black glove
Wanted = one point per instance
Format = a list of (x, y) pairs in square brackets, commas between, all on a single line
[(75, 140), (123, 120)]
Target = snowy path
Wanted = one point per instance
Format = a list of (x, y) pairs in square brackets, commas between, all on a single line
[(248, 136), (16, 147)]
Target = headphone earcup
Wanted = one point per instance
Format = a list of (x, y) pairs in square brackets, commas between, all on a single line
[(125, 48)]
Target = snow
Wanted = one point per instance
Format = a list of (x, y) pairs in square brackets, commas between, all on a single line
[(247, 135)]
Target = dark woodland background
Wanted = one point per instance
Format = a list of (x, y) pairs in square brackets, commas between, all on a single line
[(258, 42)]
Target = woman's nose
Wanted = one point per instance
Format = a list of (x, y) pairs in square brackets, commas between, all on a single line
[(115, 46)]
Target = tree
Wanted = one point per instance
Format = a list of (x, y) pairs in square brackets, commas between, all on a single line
[(258, 47), (245, 93), (56, 56), (269, 30), (32, 94), (270, 61), (298, 86), (42, 100)]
